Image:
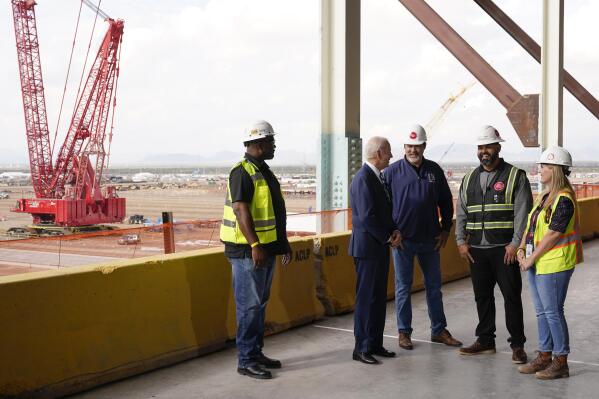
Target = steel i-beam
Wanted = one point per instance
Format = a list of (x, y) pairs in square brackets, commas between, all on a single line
[(533, 48), (522, 111)]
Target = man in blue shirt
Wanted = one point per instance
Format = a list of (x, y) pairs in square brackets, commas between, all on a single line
[(419, 190)]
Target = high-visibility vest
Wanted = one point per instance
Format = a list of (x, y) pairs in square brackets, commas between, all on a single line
[(567, 251), (493, 212), (261, 210)]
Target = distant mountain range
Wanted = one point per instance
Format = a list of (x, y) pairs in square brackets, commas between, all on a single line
[(458, 153)]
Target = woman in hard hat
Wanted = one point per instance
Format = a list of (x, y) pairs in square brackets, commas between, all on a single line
[(549, 250)]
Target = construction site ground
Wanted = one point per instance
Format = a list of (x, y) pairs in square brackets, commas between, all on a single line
[(192, 208)]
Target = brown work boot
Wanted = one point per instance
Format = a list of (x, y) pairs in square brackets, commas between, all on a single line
[(445, 338), (405, 341), (477, 349), (541, 362), (518, 355), (557, 369)]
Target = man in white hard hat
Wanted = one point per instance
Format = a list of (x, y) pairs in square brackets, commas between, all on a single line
[(419, 190), (254, 232), (493, 204)]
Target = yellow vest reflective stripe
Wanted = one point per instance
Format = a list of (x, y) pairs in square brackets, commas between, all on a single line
[(261, 209), (567, 251)]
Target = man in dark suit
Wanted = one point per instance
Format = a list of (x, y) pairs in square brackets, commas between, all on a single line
[(372, 233)]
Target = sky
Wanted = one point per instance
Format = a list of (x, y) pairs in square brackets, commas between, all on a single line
[(195, 74)]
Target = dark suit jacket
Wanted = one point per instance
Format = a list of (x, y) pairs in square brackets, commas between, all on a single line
[(372, 221)]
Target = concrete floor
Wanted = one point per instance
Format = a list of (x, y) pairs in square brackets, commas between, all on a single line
[(317, 358)]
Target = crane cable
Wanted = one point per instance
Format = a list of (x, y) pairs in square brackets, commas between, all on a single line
[(64, 90), (118, 66), (91, 36)]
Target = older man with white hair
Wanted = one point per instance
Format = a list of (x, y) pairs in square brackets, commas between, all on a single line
[(372, 233)]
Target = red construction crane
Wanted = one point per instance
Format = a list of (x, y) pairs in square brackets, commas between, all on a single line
[(68, 192)]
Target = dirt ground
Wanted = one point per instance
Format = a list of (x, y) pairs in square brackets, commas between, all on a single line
[(190, 206)]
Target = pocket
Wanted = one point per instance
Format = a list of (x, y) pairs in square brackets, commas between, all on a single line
[(552, 254)]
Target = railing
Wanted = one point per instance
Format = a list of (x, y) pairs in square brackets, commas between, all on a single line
[(37, 253)]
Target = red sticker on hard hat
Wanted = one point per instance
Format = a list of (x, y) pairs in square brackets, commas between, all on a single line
[(550, 156), (499, 186), (413, 135)]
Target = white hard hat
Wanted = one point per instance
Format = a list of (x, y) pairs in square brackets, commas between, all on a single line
[(415, 136), (258, 131), (556, 156), (488, 135)]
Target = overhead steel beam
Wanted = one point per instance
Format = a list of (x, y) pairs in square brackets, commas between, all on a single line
[(522, 111), (533, 48)]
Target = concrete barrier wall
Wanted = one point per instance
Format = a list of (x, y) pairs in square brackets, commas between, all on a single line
[(589, 217), (68, 330), (337, 277), (64, 331)]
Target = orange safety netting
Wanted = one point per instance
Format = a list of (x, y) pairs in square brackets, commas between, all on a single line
[(134, 242)]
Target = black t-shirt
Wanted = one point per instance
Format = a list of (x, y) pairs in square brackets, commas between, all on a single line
[(242, 190), (564, 211)]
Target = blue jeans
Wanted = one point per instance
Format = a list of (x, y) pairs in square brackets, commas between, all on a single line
[(548, 293), (430, 263), (252, 289)]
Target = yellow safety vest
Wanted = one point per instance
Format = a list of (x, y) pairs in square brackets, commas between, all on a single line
[(567, 251), (261, 209)]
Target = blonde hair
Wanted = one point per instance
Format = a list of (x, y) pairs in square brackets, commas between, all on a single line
[(559, 184)]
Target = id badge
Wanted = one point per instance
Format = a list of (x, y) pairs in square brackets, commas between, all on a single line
[(529, 250)]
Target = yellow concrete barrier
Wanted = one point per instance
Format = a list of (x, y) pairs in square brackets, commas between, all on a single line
[(589, 217), (65, 331), (337, 277)]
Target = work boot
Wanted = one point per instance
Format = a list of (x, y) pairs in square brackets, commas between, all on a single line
[(541, 362), (405, 341), (477, 349), (557, 369), (519, 355), (445, 338)]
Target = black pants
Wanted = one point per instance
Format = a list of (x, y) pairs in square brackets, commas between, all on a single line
[(487, 270), (371, 302)]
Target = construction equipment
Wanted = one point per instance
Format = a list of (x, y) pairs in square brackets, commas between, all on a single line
[(444, 109), (68, 192)]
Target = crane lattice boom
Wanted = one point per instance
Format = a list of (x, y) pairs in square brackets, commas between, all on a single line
[(68, 193)]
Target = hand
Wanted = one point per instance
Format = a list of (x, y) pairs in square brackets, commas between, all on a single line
[(285, 259), (520, 255), (526, 264), (259, 256), (510, 254), (464, 251), (441, 239), (396, 239)]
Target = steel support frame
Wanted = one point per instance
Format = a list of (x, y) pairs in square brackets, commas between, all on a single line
[(533, 48), (340, 150), (552, 63), (522, 111)]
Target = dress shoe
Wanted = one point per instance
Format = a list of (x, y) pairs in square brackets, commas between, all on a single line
[(518, 355), (383, 352), (267, 362), (405, 341), (445, 338), (255, 372), (364, 357), (477, 349)]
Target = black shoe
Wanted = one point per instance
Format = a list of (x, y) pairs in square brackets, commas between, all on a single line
[(255, 372), (267, 362), (364, 357), (383, 352)]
